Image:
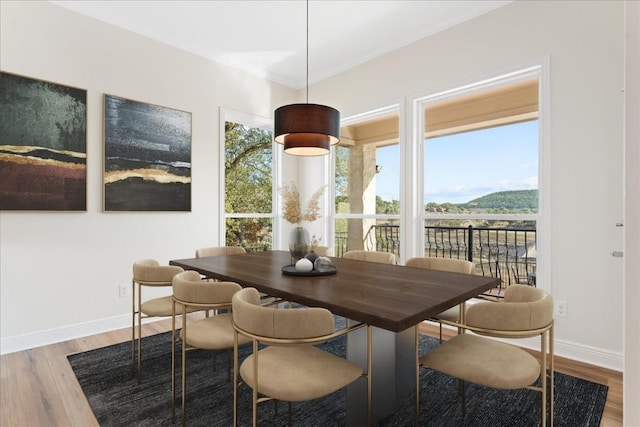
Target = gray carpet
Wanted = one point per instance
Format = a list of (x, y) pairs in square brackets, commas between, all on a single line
[(118, 400)]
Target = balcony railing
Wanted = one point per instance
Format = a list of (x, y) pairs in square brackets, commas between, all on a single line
[(507, 253)]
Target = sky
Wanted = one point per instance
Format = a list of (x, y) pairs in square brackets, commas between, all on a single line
[(463, 167)]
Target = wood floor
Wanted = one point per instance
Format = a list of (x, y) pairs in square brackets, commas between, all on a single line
[(38, 387)]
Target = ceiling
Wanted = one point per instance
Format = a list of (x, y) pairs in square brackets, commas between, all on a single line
[(268, 38)]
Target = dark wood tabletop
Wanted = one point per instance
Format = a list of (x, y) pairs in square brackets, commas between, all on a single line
[(391, 297)]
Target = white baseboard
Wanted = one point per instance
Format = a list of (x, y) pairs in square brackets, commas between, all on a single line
[(591, 355), (570, 350), (52, 336)]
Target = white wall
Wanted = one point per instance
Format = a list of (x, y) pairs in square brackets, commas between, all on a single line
[(632, 218), (61, 270), (584, 44)]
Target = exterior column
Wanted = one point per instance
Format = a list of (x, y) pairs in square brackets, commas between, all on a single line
[(361, 194)]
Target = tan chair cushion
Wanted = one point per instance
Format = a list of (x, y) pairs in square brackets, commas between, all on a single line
[(299, 373), (219, 251), (452, 314), (442, 264), (149, 270), (162, 307), (277, 322), (323, 250), (212, 333), (524, 308), (483, 361), (371, 256), (188, 286)]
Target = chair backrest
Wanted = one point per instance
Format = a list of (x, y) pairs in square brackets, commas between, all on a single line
[(189, 287), (524, 308), (150, 272), (219, 251), (270, 322), (371, 256), (443, 264), (323, 250)]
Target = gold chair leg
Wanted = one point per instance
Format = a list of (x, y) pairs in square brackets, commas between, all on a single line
[(235, 379), (551, 380), (543, 378), (173, 363), (133, 327), (369, 370), (255, 386), (417, 376), (139, 332), (184, 364)]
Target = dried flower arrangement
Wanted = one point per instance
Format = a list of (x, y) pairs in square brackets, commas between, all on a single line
[(292, 210)]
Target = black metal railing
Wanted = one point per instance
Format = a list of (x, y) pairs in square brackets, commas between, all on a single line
[(508, 253), (340, 243)]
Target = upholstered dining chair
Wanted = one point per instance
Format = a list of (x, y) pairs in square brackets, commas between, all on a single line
[(479, 359), (284, 364), (148, 273), (219, 250), (323, 250), (454, 265), (371, 256), (210, 333)]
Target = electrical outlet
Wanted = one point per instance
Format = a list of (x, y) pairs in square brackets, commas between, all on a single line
[(560, 308), (124, 290)]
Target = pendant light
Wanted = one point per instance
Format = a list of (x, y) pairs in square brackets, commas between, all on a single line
[(307, 129)]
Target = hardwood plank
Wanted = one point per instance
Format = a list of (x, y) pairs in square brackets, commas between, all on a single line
[(75, 404)]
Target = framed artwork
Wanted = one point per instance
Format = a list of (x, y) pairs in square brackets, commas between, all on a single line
[(147, 157), (43, 145)]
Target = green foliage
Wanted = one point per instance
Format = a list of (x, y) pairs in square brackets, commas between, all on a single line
[(503, 202), (342, 175), (248, 169), (506, 201), (248, 184), (385, 207), (250, 233)]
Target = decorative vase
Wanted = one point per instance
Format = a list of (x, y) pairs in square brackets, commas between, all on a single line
[(299, 243)]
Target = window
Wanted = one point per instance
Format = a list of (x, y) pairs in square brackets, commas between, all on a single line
[(367, 183), (480, 171), (248, 182)]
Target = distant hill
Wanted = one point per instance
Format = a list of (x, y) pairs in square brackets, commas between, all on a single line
[(520, 199)]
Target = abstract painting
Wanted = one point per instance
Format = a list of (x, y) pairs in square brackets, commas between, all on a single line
[(147, 164), (43, 145)]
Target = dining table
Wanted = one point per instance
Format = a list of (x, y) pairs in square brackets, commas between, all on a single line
[(393, 299)]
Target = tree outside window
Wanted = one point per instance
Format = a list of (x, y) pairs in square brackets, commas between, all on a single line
[(248, 187)]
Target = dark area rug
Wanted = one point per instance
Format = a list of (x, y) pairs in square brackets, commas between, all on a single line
[(117, 399)]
